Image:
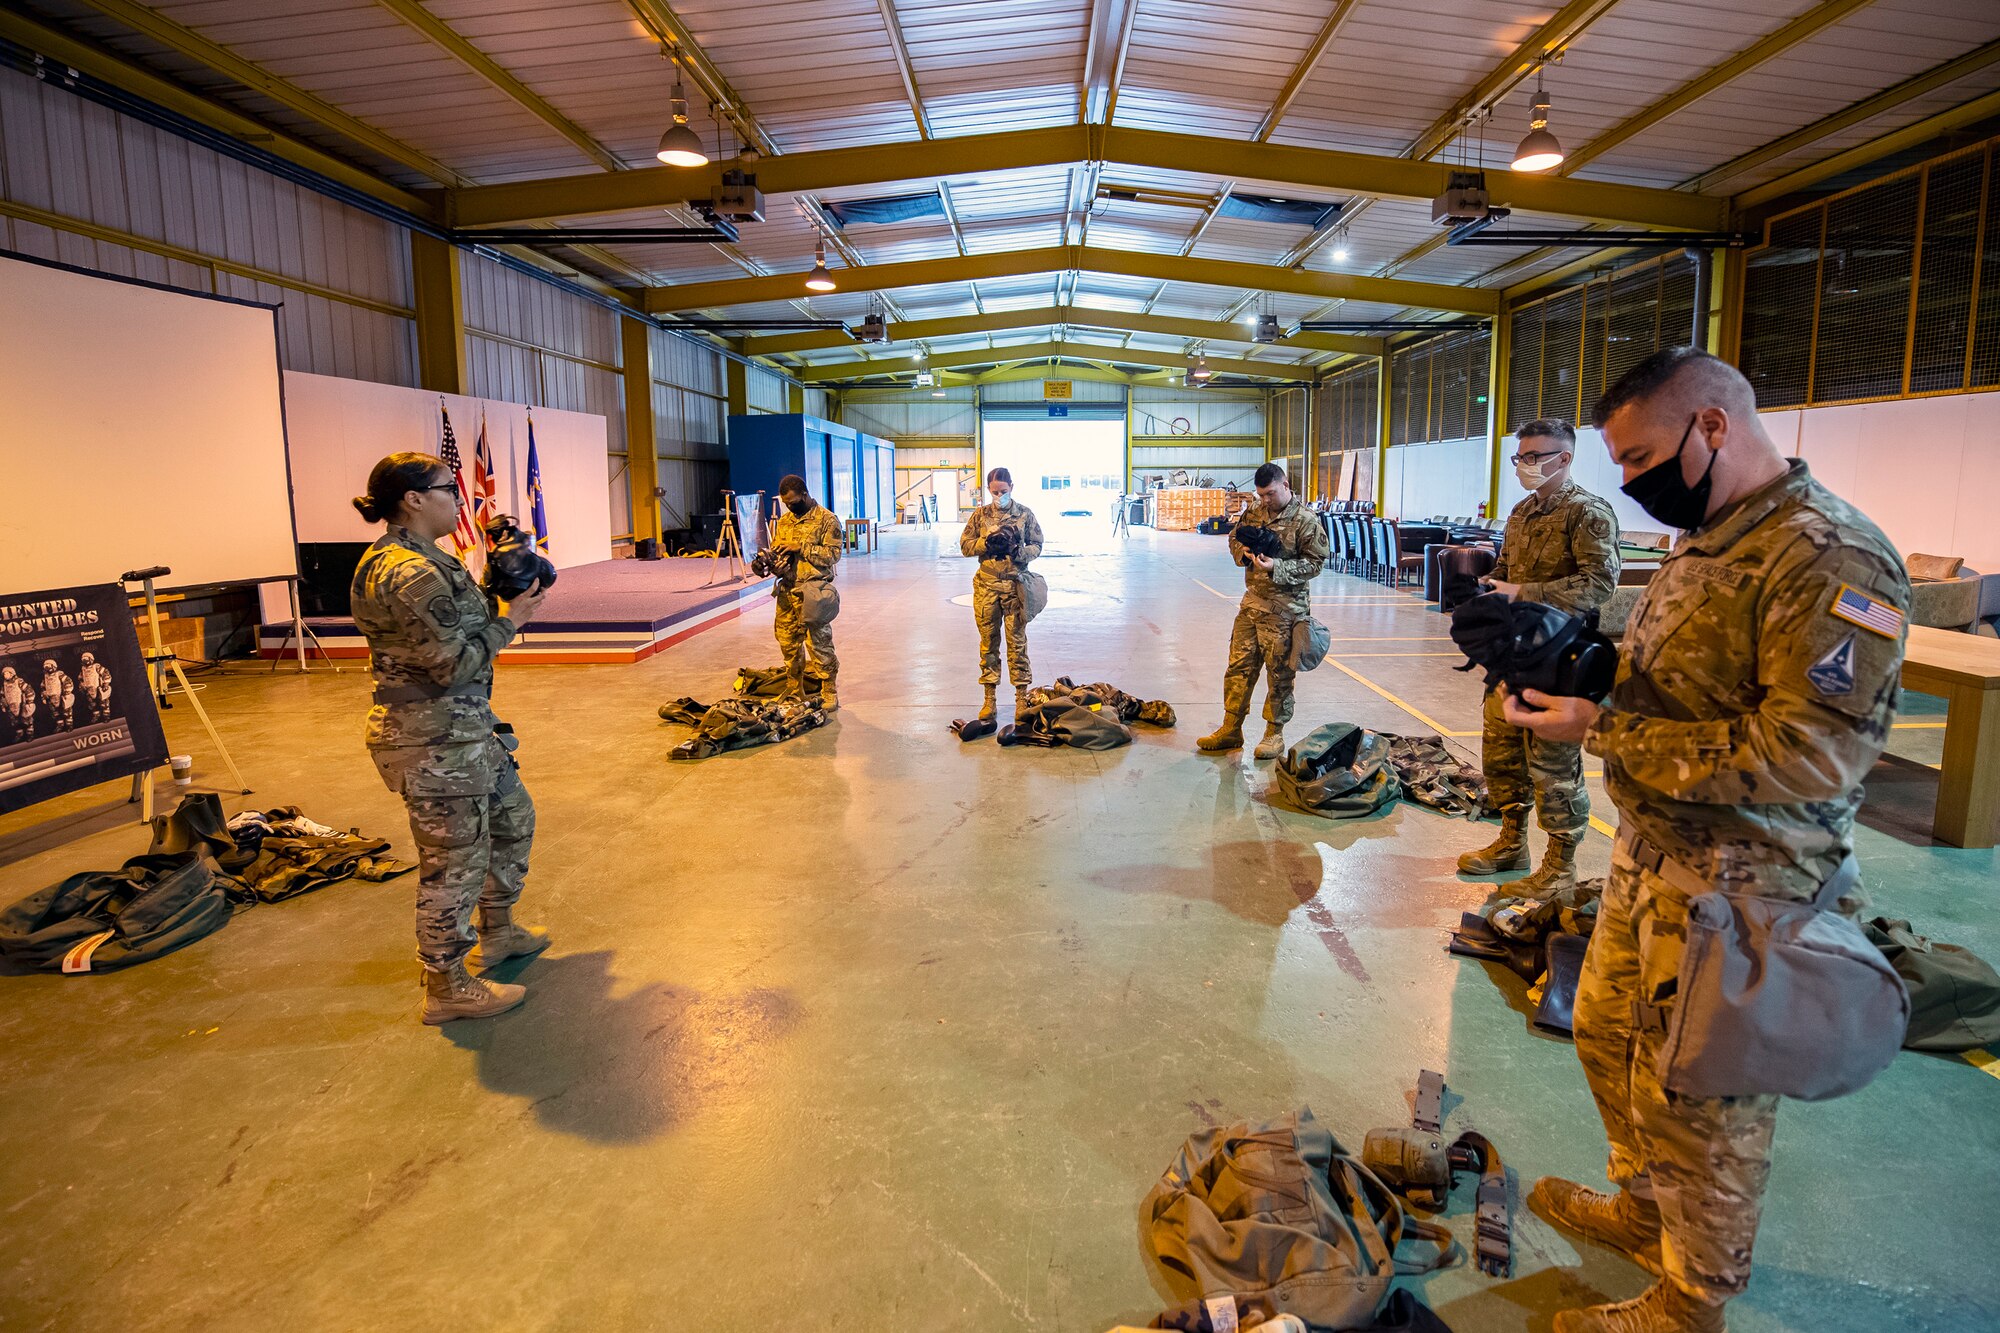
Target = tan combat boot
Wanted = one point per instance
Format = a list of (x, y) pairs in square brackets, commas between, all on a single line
[(1661, 1308), (1556, 872), (457, 994), (1273, 743), (1228, 736), (989, 710), (500, 939), (1624, 1221), (829, 702), (1509, 851), (1020, 702)]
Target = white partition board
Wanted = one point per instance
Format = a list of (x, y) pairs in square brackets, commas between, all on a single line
[(141, 426)]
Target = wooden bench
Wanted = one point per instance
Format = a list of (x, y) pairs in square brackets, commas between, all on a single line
[(1965, 670)]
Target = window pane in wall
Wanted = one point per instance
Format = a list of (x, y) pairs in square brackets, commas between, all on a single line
[(1449, 383), (1986, 332), (1631, 322), (1676, 303), (1524, 371), (1865, 292), (1945, 263), (1562, 355), (1778, 311), (1596, 343)]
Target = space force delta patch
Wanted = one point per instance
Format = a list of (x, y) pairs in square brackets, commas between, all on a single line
[(1858, 608), (1834, 673)]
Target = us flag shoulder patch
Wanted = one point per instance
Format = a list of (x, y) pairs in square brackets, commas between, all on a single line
[(1858, 608)]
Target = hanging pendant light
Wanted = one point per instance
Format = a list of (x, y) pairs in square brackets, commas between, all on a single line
[(1340, 246), (819, 280), (1199, 373), (1539, 151), (680, 146)]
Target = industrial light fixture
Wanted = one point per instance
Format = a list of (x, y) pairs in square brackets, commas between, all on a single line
[(819, 280), (937, 393), (1199, 373), (1340, 246), (1539, 151), (680, 146)]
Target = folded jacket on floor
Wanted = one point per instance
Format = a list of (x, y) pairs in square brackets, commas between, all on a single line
[(103, 920), (1954, 994), (737, 724)]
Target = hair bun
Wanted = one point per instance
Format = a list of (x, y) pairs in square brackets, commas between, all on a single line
[(365, 506)]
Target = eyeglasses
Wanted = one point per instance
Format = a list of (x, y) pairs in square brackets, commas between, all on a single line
[(1536, 458), (451, 486)]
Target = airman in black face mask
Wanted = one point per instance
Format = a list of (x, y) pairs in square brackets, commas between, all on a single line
[(809, 537), (1756, 686)]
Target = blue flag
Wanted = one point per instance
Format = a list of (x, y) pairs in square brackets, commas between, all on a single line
[(538, 515)]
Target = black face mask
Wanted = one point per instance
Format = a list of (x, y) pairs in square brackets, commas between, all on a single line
[(1664, 493), (799, 507)]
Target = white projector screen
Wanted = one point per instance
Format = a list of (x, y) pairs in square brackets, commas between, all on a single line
[(139, 426)]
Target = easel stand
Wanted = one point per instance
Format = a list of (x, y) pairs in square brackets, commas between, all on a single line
[(302, 634), (160, 662), (728, 546)]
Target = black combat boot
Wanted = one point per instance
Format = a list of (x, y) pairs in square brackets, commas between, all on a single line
[(1509, 851)]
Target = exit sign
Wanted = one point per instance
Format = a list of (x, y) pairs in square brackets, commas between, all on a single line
[(1058, 389)]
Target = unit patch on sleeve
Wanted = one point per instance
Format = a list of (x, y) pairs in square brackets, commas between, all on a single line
[(1834, 673), (1858, 608)]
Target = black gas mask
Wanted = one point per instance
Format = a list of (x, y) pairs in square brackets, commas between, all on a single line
[(1260, 540), (1535, 647), (513, 564)]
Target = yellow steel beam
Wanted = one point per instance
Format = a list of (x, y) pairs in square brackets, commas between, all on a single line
[(1072, 316), (1808, 24), (904, 67), (1319, 169), (443, 35), (1102, 352), (1889, 99), (1061, 259), (1895, 142), (1303, 70), (440, 301), (1557, 33), (227, 63), (100, 64)]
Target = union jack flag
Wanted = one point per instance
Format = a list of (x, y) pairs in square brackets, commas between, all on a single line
[(464, 536), (485, 503)]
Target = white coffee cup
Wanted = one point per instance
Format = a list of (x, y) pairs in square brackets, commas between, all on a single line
[(183, 767)]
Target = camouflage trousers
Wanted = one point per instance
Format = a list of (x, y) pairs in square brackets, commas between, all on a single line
[(802, 645), (473, 823), (1522, 769), (1260, 641), (999, 606), (1704, 1160)]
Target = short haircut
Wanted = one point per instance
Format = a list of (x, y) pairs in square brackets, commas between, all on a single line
[(1690, 373), (791, 484), (1550, 428), (1271, 472), (999, 474)]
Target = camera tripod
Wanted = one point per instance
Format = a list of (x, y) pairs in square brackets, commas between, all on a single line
[(303, 634), (162, 661), (728, 545)]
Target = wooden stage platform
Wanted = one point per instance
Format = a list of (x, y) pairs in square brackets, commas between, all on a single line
[(612, 611)]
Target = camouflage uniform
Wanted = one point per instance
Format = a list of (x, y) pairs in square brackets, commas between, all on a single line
[(1261, 639), (996, 590), (432, 639), (1562, 549), (817, 537), (1745, 715)]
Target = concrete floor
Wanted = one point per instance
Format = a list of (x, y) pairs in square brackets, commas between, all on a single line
[(870, 1030)]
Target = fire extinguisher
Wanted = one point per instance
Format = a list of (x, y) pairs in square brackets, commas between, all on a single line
[(1482, 511)]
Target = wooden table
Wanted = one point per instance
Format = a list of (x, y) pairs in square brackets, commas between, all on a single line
[(861, 534), (1965, 670)]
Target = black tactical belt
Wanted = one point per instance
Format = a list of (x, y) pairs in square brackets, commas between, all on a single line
[(410, 694)]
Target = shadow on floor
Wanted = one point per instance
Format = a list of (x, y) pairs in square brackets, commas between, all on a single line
[(1901, 801), (620, 1068)]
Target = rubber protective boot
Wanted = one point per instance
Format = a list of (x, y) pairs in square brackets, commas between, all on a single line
[(1622, 1220), (1556, 872), (457, 994), (1228, 736), (500, 939), (989, 710), (1661, 1308), (1273, 743), (1509, 851)]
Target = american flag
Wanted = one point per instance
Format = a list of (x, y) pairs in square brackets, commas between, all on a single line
[(1860, 609), (484, 498), (464, 536)]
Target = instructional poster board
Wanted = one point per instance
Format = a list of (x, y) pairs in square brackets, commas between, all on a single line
[(141, 425), (75, 706)]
